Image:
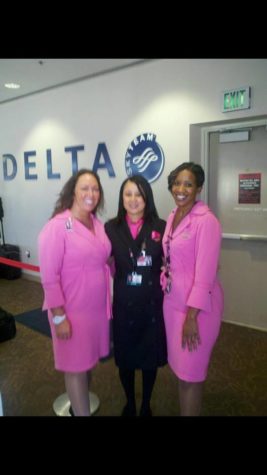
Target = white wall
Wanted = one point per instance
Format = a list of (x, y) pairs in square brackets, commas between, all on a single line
[(163, 97)]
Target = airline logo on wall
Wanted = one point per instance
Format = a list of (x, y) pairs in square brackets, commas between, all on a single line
[(145, 157)]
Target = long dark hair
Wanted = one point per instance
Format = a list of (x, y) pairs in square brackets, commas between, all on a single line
[(66, 196), (150, 211), (195, 168)]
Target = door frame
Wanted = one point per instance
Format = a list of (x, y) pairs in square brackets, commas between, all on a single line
[(205, 141), (205, 158)]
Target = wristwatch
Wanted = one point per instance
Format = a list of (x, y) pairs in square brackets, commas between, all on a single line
[(57, 319)]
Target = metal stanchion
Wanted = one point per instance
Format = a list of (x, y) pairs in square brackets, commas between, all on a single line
[(1, 406), (61, 405)]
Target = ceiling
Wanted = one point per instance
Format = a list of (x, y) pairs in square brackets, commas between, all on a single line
[(35, 75)]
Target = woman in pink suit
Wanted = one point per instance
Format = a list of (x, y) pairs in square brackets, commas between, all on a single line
[(73, 251), (193, 297)]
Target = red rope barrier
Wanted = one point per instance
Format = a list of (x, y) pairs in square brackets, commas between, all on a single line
[(22, 265)]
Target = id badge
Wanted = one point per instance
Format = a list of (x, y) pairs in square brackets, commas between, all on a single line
[(134, 279), (143, 260)]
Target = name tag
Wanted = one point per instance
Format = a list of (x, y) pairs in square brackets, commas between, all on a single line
[(143, 260), (68, 224), (134, 279)]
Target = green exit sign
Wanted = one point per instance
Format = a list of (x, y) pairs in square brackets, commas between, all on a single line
[(236, 99)]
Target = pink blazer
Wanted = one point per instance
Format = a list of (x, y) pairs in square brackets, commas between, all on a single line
[(194, 256)]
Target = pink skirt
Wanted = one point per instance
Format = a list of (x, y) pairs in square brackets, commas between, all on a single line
[(191, 366)]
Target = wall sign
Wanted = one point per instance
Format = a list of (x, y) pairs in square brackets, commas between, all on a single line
[(144, 156), (31, 159), (236, 99), (249, 188)]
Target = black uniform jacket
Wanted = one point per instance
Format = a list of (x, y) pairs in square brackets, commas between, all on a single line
[(138, 324)]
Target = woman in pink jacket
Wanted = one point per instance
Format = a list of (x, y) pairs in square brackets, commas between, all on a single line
[(193, 300), (73, 251)]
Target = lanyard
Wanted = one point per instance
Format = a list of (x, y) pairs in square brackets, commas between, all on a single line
[(143, 246), (132, 259)]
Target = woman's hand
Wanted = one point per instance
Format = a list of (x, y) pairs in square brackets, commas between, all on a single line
[(63, 330), (190, 334)]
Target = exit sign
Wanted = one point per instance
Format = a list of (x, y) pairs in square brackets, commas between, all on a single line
[(236, 99)]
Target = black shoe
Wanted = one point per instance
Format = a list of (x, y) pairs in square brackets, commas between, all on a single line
[(145, 412), (71, 411), (128, 411)]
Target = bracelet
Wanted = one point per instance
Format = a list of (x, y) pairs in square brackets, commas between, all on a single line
[(57, 319)]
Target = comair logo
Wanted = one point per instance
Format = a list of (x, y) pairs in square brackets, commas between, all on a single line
[(145, 157)]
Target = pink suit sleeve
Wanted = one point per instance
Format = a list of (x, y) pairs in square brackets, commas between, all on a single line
[(51, 252), (208, 244)]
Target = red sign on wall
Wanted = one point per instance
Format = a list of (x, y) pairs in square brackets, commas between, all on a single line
[(249, 188)]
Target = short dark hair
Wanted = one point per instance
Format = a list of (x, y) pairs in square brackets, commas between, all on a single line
[(195, 168), (150, 211), (66, 196)]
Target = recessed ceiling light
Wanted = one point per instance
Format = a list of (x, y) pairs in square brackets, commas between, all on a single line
[(12, 85)]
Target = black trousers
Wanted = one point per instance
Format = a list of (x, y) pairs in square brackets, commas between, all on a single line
[(127, 377)]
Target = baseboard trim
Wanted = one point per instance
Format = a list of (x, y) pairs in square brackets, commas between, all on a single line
[(34, 278), (253, 327)]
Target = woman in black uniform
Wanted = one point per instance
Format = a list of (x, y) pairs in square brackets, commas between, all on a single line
[(138, 325)]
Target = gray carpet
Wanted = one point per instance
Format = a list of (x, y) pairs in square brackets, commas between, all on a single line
[(236, 384), (36, 320)]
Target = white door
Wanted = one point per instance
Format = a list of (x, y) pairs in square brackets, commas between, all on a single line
[(237, 193)]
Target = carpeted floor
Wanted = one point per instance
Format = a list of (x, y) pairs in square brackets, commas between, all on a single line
[(36, 320), (236, 385)]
